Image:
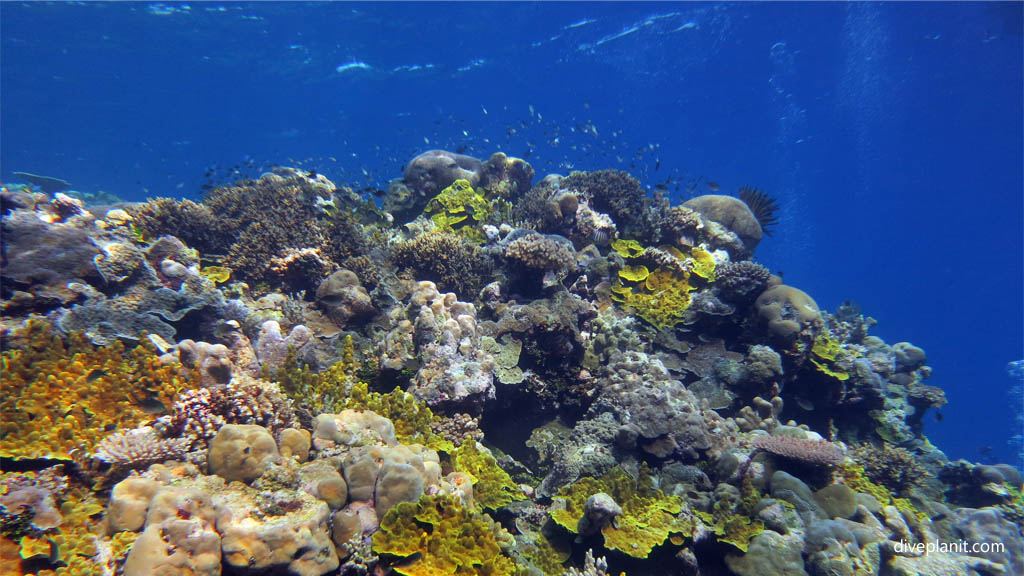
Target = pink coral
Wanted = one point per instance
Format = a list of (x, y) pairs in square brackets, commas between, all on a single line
[(810, 451)]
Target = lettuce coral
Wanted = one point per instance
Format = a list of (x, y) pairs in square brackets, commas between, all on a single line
[(661, 295), (661, 299), (448, 538), (648, 516), (703, 263), (824, 353), (62, 398), (492, 486), (461, 209), (413, 419)]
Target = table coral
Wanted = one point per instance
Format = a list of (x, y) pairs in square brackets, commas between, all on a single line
[(63, 398)]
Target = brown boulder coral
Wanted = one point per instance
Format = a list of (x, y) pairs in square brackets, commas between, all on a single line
[(733, 214)]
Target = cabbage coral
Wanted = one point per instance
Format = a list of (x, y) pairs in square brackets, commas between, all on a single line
[(448, 539), (461, 209), (648, 516), (492, 486), (661, 299), (61, 398)]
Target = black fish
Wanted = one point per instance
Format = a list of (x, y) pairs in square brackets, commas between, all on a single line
[(95, 375)]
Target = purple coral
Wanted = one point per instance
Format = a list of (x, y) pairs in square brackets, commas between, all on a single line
[(809, 451)]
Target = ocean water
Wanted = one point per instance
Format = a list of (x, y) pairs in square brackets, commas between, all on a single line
[(890, 133)]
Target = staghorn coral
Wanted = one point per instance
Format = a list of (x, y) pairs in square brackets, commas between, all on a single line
[(62, 397), (448, 538)]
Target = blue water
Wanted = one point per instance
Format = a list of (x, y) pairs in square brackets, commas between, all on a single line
[(890, 133)]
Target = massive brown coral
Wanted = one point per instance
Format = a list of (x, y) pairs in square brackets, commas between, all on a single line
[(284, 228), (619, 195), (445, 259)]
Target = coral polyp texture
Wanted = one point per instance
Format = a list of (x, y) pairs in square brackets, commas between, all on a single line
[(471, 374), (63, 398)]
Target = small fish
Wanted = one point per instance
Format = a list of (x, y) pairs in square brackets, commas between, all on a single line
[(95, 375), (713, 186), (149, 404)]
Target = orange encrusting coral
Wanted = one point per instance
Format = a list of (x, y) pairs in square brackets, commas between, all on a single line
[(61, 397)]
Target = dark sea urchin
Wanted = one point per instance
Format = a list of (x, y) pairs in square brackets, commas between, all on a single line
[(762, 205)]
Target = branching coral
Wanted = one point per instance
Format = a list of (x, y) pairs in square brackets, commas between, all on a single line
[(618, 194), (274, 229), (138, 448), (61, 398), (648, 516), (447, 538)]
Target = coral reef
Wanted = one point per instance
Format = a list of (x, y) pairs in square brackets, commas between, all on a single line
[(476, 377)]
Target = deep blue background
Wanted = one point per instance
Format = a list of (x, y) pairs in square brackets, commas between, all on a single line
[(891, 133)]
